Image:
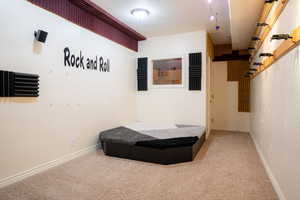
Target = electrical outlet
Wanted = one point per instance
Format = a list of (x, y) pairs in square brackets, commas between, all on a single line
[(74, 141)]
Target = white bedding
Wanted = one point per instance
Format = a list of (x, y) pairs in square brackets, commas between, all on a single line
[(165, 131), (141, 126)]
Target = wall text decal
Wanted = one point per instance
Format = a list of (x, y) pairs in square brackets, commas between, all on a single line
[(78, 61)]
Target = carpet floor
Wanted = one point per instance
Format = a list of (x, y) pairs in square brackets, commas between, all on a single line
[(226, 168)]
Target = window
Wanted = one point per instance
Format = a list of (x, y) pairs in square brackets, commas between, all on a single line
[(167, 71)]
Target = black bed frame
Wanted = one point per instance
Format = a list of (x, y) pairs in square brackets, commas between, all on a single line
[(147, 154)]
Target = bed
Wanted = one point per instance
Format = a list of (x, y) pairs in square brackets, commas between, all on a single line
[(162, 144)]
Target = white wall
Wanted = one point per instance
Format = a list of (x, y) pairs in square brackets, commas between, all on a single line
[(74, 105), (225, 102), (174, 105), (275, 122)]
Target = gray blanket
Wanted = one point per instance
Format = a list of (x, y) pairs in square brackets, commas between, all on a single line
[(123, 135)]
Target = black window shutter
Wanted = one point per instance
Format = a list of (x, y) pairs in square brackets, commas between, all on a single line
[(195, 71), (142, 74)]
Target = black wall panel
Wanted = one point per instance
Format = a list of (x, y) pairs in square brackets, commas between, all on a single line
[(1, 84), (195, 71), (13, 84), (142, 74)]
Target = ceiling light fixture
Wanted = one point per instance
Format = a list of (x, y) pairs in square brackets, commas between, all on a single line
[(209, 1), (140, 13)]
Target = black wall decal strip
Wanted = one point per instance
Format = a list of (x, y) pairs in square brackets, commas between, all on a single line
[(195, 71), (13, 84), (142, 74)]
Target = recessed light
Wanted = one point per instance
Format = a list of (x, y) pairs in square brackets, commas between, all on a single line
[(140, 13), (209, 1)]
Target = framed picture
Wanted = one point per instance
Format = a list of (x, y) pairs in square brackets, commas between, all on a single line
[(167, 72)]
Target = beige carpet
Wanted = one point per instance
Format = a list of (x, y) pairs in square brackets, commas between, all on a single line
[(227, 168)]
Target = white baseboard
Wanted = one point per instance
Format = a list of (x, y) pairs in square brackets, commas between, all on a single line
[(269, 171), (45, 166)]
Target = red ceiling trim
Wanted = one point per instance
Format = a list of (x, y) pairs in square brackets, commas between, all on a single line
[(105, 16), (90, 16)]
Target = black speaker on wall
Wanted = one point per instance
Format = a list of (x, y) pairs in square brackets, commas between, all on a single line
[(13, 84), (41, 36), (142, 74), (195, 71)]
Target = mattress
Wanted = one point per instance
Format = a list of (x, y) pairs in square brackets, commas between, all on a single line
[(138, 132), (155, 143)]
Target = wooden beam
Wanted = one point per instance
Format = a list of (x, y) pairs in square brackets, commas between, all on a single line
[(285, 47), (263, 18), (263, 32), (266, 11), (264, 15), (210, 47)]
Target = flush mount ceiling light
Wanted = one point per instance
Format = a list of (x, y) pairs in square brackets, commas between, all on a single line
[(140, 13)]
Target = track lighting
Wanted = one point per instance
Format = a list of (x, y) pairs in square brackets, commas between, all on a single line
[(257, 64), (252, 69), (255, 38), (265, 55), (262, 24), (281, 37), (248, 74), (270, 1)]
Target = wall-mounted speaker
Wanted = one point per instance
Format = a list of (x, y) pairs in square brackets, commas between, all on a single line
[(13, 84), (40, 36)]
